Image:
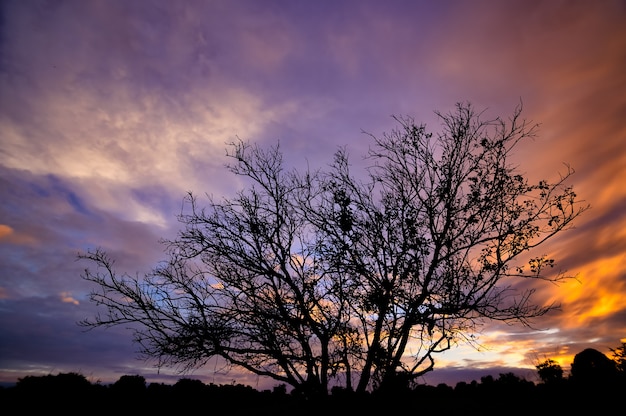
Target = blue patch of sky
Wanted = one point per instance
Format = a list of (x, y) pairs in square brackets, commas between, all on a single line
[(57, 186), (160, 199)]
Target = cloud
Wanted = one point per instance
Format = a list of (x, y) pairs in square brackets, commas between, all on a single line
[(47, 225), (66, 297), (8, 235), (453, 375), (113, 127)]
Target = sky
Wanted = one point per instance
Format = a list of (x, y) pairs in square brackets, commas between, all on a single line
[(111, 111)]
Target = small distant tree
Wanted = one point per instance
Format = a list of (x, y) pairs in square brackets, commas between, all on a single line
[(549, 371), (130, 385), (190, 387), (487, 380), (308, 277), (512, 383)]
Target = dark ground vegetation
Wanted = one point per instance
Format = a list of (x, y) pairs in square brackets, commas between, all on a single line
[(596, 385)]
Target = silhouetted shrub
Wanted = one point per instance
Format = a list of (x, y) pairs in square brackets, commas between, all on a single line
[(130, 383), (60, 383), (187, 388)]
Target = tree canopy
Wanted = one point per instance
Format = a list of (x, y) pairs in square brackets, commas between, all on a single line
[(320, 278)]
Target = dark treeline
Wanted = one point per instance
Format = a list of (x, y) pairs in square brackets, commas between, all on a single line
[(595, 383)]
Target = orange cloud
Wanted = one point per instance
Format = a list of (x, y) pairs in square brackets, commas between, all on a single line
[(598, 293), (66, 297), (5, 231), (8, 235)]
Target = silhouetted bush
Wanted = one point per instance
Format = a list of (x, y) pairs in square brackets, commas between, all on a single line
[(130, 385), (57, 384), (39, 394), (188, 386)]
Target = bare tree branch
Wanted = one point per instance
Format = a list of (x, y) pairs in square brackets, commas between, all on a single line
[(313, 277)]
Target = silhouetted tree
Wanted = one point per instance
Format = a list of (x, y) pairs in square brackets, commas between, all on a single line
[(487, 380), (590, 366), (549, 371), (619, 357), (307, 277)]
